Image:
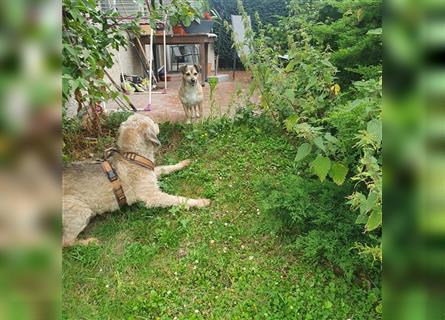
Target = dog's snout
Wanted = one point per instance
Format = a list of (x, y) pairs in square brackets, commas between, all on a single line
[(193, 80)]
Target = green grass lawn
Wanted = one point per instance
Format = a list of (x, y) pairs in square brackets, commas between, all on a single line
[(223, 262)]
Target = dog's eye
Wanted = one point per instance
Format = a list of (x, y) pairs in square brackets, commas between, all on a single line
[(188, 73), (195, 74)]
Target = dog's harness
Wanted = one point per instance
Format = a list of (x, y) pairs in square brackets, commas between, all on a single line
[(114, 178), (115, 182)]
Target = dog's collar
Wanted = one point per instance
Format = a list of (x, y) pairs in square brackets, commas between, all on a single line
[(139, 160), (132, 157)]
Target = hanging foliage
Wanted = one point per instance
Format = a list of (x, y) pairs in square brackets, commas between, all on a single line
[(89, 37)]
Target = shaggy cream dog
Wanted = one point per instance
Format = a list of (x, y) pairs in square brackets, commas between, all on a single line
[(190, 92), (88, 192)]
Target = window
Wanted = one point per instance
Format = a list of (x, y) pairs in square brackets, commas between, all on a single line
[(125, 8)]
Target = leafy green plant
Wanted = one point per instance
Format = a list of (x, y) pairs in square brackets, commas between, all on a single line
[(350, 29), (318, 219), (89, 38), (77, 143), (268, 10), (339, 133), (184, 11)]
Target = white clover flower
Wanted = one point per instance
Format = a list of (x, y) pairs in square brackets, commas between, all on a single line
[(250, 257), (196, 311), (212, 241)]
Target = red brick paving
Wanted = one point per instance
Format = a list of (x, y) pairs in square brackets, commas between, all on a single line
[(167, 107)]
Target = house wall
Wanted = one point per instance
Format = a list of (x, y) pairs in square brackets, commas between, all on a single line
[(125, 61)]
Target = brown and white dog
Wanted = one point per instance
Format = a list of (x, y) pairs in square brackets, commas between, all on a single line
[(190, 91)]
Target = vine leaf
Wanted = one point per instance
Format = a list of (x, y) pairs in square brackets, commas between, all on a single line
[(321, 166), (319, 143), (303, 151), (374, 220), (329, 137), (376, 31), (374, 128), (290, 67), (361, 219), (291, 122), (338, 173)]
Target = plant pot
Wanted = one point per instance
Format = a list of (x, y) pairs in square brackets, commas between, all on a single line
[(160, 26), (204, 27), (145, 28), (179, 29)]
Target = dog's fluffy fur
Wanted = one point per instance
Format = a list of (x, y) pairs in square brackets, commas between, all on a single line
[(87, 191), (190, 92)]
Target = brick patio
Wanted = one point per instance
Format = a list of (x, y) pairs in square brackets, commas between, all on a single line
[(167, 107)]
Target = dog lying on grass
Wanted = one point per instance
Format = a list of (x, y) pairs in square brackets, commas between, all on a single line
[(190, 92), (88, 192)]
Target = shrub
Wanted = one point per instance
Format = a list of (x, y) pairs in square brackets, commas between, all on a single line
[(349, 29), (77, 144), (89, 38), (339, 133), (316, 217), (268, 10)]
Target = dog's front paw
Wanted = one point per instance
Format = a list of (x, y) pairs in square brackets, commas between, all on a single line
[(186, 163), (201, 203)]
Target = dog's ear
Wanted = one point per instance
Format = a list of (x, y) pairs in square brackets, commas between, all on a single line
[(152, 136), (183, 69), (197, 67)]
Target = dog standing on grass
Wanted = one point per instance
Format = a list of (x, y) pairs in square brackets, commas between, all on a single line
[(190, 92)]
